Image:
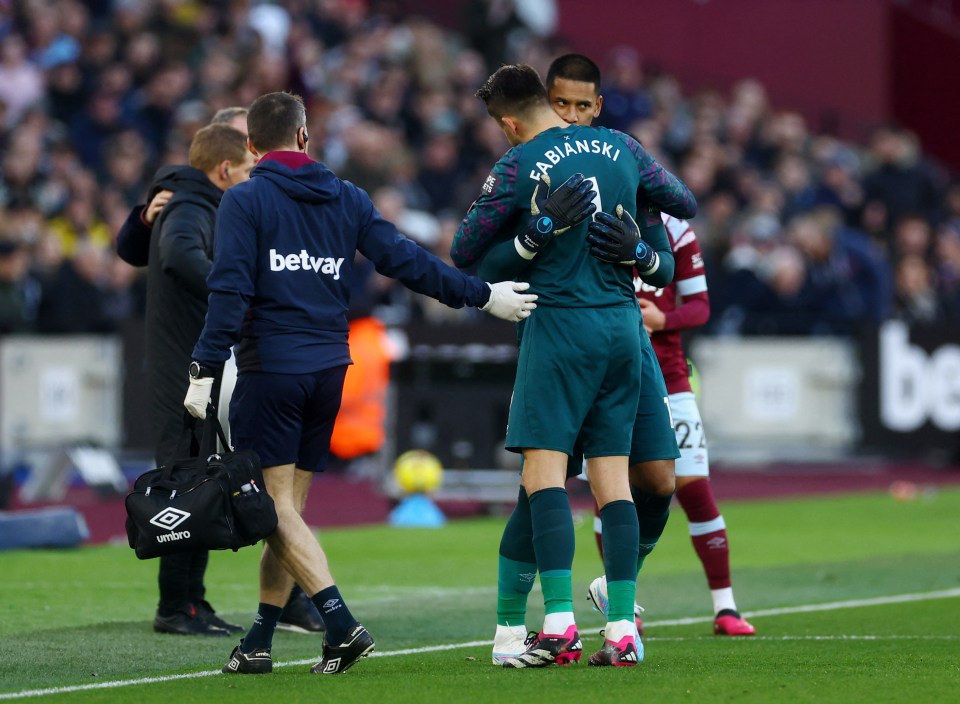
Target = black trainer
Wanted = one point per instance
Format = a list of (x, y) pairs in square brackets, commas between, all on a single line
[(258, 662), (206, 612), (300, 615), (184, 624), (339, 658)]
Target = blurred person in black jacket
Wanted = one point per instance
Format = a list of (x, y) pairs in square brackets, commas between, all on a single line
[(19, 290)]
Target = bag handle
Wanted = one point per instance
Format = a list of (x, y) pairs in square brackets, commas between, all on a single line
[(211, 431), (207, 446), (181, 450)]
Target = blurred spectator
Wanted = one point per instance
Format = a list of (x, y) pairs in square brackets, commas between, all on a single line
[(428, 309), (742, 288), (19, 290), (101, 119), (624, 99), (947, 258), (848, 281), (912, 235), (21, 82), (839, 186), (76, 298), (439, 170), (488, 25), (80, 224), (915, 298), (153, 107), (416, 224), (900, 178)]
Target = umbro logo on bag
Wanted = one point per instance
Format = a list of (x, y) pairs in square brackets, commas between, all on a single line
[(170, 518)]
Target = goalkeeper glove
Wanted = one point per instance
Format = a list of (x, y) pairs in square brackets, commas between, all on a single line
[(555, 213), (616, 240)]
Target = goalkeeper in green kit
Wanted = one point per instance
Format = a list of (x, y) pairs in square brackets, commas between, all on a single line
[(579, 360)]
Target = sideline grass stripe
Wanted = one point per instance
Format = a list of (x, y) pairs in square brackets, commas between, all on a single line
[(830, 606)]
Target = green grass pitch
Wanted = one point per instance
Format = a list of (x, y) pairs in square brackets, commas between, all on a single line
[(856, 598)]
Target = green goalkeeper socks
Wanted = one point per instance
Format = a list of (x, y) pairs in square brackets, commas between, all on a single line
[(514, 582), (517, 565), (620, 549), (553, 542), (652, 514)]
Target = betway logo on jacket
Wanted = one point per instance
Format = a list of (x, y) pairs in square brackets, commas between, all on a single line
[(303, 261)]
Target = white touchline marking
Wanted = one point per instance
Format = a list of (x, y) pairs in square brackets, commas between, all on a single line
[(830, 606), (751, 639)]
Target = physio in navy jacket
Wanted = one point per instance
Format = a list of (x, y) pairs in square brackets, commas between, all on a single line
[(279, 286)]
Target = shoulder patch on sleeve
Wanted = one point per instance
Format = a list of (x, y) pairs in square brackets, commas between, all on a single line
[(489, 185)]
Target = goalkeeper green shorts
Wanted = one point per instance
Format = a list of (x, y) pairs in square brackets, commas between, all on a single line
[(578, 373), (654, 437)]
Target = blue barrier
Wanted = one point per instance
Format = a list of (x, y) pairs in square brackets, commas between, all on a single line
[(57, 527)]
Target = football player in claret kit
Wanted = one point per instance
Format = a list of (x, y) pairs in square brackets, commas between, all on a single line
[(569, 384), (682, 305)]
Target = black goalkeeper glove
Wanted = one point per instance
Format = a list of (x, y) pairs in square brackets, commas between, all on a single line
[(616, 240), (555, 213)]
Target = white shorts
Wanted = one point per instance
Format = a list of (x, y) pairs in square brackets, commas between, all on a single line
[(694, 460)]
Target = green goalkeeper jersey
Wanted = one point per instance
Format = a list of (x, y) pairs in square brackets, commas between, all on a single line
[(565, 274)]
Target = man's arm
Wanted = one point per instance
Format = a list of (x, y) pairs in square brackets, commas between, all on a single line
[(693, 307), (502, 262), (400, 258), (693, 312), (658, 187), (491, 214), (181, 250), (231, 283), (620, 240), (552, 212), (133, 239)]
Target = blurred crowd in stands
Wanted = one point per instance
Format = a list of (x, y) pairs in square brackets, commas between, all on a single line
[(802, 233)]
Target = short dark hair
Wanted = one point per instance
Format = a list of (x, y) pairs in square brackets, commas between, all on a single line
[(274, 119), (574, 67), (215, 143), (514, 88)]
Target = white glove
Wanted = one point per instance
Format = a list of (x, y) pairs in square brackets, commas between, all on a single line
[(507, 303), (198, 396)]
